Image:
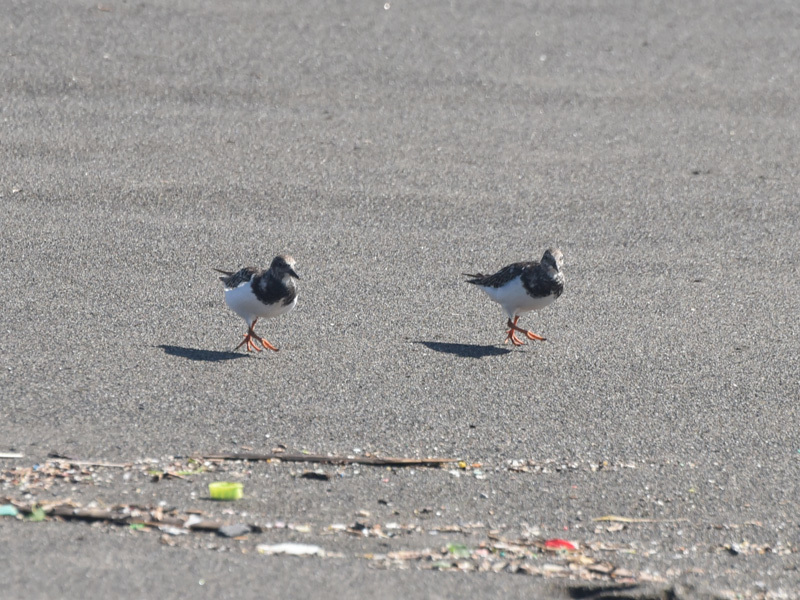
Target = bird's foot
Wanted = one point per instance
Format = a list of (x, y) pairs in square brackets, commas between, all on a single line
[(266, 344), (250, 345), (512, 336), (533, 336), (513, 328)]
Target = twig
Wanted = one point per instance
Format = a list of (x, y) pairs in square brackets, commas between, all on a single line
[(333, 460), (118, 517), (618, 519), (522, 543), (88, 463)]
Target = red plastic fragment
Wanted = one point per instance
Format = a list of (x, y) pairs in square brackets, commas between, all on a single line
[(556, 544)]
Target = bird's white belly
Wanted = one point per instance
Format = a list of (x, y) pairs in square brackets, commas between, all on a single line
[(515, 300), (244, 303)]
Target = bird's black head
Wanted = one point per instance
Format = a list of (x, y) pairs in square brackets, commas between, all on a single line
[(284, 264), (553, 258)]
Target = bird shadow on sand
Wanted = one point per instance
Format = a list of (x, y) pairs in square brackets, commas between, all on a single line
[(464, 350), (201, 355)]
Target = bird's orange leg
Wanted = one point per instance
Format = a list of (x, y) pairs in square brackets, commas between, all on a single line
[(251, 334), (512, 335), (248, 342), (512, 329), (248, 339), (265, 343)]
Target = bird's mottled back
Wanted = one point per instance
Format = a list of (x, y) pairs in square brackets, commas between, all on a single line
[(534, 274), (233, 280), (502, 277), (281, 266)]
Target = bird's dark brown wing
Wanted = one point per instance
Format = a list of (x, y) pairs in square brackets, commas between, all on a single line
[(233, 280), (502, 277)]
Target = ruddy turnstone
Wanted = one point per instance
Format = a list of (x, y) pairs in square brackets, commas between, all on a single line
[(522, 287), (255, 293)]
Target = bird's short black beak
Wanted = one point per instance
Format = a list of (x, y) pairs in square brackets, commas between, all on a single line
[(293, 273)]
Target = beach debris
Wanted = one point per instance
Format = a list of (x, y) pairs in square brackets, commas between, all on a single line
[(122, 514), (234, 531), (225, 490), (332, 460), (291, 548), (87, 463), (36, 514), (562, 466), (618, 519), (746, 548), (558, 544), (319, 475), (172, 530), (459, 550)]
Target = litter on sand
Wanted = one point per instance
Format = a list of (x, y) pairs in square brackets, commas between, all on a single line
[(291, 549)]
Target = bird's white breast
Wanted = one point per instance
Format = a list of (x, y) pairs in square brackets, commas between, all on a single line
[(244, 303), (515, 300)]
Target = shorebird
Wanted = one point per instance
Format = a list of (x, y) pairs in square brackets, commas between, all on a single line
[(522, 287), (254, 293)]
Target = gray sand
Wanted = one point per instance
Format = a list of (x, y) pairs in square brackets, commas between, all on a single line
[(389, 150)]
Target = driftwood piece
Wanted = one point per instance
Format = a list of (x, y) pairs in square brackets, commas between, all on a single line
[(333, 460), (87, 463), (128, 515)]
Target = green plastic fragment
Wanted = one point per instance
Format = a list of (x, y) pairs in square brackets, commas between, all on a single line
[(459, 550), (37, 514)]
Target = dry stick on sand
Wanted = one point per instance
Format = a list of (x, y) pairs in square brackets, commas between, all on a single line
[(334, 460), (151, 517), (87, 463), (309, 458), (618, 519)]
